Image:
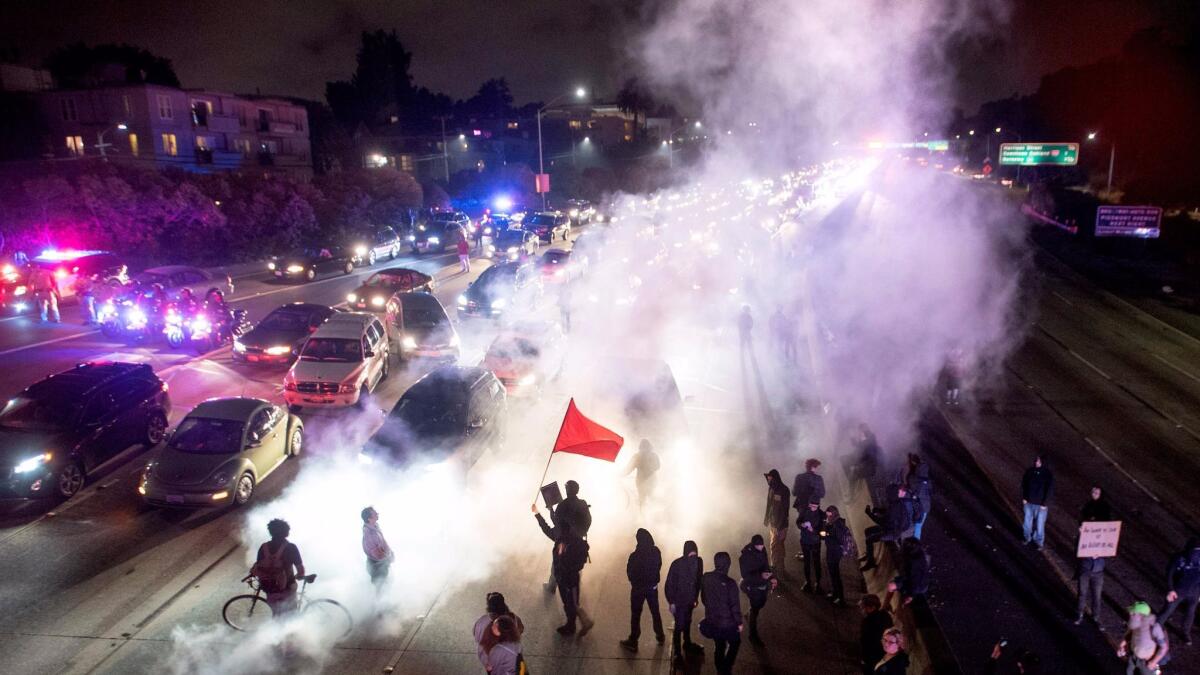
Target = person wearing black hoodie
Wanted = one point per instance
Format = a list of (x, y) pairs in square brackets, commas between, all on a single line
[(779, 499), (1183, 587), (570, 555), (722, 621), (757, 580), (682, 591), (810, 523), (891, 522), (573, 511), (834, 533), (644, 569), (1036, 487)]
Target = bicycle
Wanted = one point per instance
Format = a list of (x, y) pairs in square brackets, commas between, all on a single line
[(248, 613)]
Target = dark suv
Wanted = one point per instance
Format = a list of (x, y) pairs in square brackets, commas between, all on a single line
[(452, 414), (56, 432)]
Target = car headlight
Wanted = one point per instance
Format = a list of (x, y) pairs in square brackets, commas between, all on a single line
[(462, 300), (271, 266), (412, 237), (409, 342), (558, 274), (512, 249), (33, 463), (499, 303), (421, 228), (19, 290), (295, 269), (278, 350), (574, 212), (347, 388), (353, 297), (454, 340), (221, 479), (377, 301), (238, 346), (434, 240), (527, 380)]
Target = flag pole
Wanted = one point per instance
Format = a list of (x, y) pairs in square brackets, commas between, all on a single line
[(547, 470), (543, 480)]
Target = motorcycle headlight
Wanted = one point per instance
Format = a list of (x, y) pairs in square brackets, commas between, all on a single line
[(412, 237), (271, 266), (136, 317), (201, 325), (352, 297), (239, 347), (377, 301), (19, 290), (499, 303), (462, 300), (360, 250), (33, 463), (295, 269), (434, 240), (278, 350), (409, 342)]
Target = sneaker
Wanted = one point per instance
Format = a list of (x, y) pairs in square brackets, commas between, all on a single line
[(807, 587), (587, 626), (629, 644), (1078, 619), (838, 602), (566, 629), (661, 638)]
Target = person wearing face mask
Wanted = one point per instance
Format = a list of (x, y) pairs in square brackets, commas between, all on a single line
[(722, 621), (758, 580), (682, 592), (644, 569), (895, 659)]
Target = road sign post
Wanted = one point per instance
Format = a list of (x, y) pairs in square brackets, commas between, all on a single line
[(1039, 154), (1143, 222)]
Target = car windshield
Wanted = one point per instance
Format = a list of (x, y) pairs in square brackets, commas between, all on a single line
[(208, 436), (34, 414), (513, 348), (285, 320), (511, 238), (498, 275), (422, 316), (148, 278), (445, 217), (341, 350), (386, 280), (432, 414), (542, 220), (556, 257)]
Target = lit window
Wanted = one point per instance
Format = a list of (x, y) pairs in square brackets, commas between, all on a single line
[(407, 164), (169, 146), (575, 124), (202, 142), (75, 145), (133, 144), (513, 125), (69, 113), (628, 138), (243, 146), (164, 108)]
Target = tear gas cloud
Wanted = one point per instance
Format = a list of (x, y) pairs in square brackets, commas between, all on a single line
[(882, 268)]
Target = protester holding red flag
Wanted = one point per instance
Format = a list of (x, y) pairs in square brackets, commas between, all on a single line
[(570, 555)]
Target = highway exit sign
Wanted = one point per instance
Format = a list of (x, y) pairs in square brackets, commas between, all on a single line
[(1036, 154)]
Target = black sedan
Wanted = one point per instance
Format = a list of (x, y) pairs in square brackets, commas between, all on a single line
[(58, 431), (279, 336), (500, 289), (373, 295), (513, 245), (307, 264)]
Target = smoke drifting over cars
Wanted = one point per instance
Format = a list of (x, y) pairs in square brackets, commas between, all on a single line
[(883, 270)]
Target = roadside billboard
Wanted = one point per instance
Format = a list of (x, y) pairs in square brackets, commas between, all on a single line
[(1143, 222)]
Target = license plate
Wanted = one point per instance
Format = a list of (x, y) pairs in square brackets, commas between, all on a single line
[(326, 399), (174, 499), (252, 357), (278, 273)]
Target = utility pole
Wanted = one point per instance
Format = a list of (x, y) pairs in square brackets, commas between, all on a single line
[(541, 162), (445, 151), (1112, 159)]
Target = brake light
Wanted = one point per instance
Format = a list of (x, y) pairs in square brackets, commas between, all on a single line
[(60, 273)]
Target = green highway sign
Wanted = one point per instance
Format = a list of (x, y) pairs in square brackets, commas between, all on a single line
[(1035, 154)]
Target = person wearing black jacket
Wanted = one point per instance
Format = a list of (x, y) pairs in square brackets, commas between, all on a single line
[(834, 533), (574, 511), (891, 523), (775, 518), (1036, 487), (1096, 508), (570, 555), (874, 622), (722, 613), (1183, 587), (682, 591), (757, 580), (808, 485), (810, 523), (644, 569), (913, 581)]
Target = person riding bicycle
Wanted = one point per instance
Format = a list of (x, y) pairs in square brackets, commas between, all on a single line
[(277, 567)]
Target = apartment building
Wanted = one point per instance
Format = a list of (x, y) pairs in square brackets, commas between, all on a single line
[(194, 130)]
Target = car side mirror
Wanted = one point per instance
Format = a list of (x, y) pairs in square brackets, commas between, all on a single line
[(253, 440), (475, 424)]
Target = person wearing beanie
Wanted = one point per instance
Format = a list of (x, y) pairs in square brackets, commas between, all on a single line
[(644, 569), (757, 580), (570, 554), (682, 592), (779, 500), (722, 621), (1145, 643), (485, 639)]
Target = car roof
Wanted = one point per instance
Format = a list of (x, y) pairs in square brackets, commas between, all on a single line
[(174, 269), (393, 271), (417, 299), (450, 374), (232, 408), (345, 325), (302, 307), (86, 376)]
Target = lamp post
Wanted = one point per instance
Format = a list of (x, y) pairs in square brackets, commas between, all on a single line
[(580, 93), (1112, 156), (445, 151), (999, 130), (101, 145), (671, 141)]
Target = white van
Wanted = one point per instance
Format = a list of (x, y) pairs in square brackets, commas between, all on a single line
[(339, 364)]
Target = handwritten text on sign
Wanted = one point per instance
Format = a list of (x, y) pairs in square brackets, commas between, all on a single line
[(1099, 539)]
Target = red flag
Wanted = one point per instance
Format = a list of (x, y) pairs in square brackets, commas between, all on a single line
[(581, 436)]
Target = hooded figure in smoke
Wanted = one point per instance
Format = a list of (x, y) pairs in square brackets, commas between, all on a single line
[(757, 579), (722, 621), (644, 569), (574, 512), (570, 555), (1183, 586), (682, 591)]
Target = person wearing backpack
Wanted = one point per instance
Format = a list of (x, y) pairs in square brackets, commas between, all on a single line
[(277, 567), (839, 543), (570, 554), (485, 639), (506, 658), (576, 513)]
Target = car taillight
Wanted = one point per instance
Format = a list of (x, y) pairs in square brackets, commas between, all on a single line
[(290, 386)]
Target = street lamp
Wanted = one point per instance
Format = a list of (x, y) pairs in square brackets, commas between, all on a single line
[(580, 93), (101, 145), (1112, 156), (671, 141)]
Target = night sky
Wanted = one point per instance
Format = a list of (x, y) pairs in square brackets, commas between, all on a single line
[(543, 47)]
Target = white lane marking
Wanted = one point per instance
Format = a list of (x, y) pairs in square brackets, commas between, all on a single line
[(51, 341), (1120, 468), (1175, 367), (1089, 364), (1060, 297)]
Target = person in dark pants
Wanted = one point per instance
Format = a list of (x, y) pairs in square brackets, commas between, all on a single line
[(644, 569), (1183, 587), (775, 518), (913, 581), (806, 486), (891, 522), (870, 633), (757, 580), (837, 536), (915, 479), (570, 555), (722, 621), (811, 523), (1089, 578), (682, 591), (573, 511), (1036, 487)]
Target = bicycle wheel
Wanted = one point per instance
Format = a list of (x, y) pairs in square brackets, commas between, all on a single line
[(331, 614), (247, 612)]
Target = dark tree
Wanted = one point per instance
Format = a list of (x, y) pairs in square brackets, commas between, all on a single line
[(492, 101), (381, 87), (79, 65), (634, 100)]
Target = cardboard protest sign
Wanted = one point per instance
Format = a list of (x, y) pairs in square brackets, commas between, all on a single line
[(1098, 539)]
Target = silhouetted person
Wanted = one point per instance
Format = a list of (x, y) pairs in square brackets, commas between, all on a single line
[(644, 569), (574, 511), (722, 621), (1183, 586), (757, 580), (775, 518), (1037, 485), (570, 555), (646, 463), (745, 327), (839, 543), (682, 592)]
